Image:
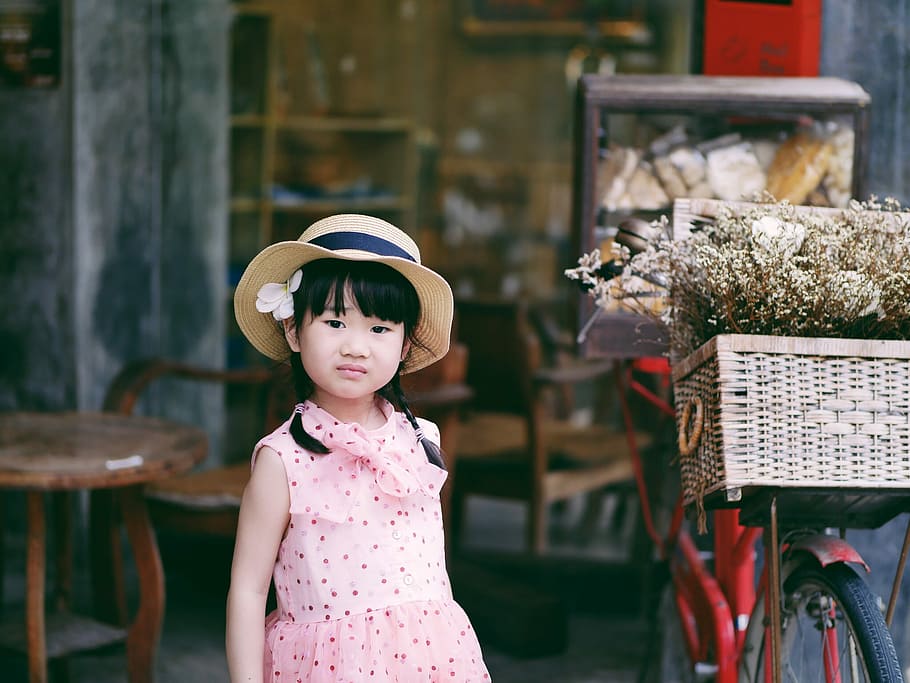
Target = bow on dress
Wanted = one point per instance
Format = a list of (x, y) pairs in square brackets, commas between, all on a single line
[(371, 455)]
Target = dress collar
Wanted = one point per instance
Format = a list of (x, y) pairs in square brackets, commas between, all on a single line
[(390, 455)]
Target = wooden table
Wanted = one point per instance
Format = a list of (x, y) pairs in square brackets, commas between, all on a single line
[(111, 456)]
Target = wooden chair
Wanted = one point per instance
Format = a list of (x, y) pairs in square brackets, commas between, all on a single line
[(207, 501), (516, 445)]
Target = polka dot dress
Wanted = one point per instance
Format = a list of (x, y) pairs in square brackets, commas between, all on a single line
[(360, 577)]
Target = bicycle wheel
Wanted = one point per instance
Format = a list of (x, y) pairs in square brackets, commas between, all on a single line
[(666, 660), (831, 630)]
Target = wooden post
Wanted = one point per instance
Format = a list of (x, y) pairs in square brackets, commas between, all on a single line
[(36, 638)]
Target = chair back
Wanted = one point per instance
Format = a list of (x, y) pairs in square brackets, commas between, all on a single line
[(257, 399), (503, 353)]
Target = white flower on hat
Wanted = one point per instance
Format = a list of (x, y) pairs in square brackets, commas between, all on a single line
[(277, 298)]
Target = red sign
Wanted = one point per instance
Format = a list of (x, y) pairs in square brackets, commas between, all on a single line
[(771, 38)]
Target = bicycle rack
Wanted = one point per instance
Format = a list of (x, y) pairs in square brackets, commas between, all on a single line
[(898, 576), (772, 604)]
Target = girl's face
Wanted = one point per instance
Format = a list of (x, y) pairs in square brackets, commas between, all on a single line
[(348, 356)]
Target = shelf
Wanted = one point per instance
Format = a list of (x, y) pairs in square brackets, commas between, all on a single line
[(246, 205), (345, 124), (257, 9), (248, 121), (341, 205), (627, 33)]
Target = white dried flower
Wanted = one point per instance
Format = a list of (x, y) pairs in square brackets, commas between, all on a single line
[(776, 235), (772, 269)]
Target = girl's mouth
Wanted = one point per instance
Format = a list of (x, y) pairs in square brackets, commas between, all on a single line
[(351, 371)]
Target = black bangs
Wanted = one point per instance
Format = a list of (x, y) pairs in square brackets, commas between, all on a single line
[(377, 289)]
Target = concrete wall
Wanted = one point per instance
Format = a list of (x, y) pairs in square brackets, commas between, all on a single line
[(869, 42), (114, 200), (150, 88), (37, 364)]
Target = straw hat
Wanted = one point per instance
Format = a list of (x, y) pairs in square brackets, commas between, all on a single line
[(350, 237)]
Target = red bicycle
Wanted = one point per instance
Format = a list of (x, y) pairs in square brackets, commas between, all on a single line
[(809, 616)]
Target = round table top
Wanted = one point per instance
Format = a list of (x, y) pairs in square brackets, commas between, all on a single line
[(78, 450)]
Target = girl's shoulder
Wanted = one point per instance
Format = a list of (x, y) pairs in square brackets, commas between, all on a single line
[(279, 440)]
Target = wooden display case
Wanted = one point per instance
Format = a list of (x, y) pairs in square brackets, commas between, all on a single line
[(800, 138)]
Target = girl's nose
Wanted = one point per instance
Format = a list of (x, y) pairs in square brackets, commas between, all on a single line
[(354, 346)]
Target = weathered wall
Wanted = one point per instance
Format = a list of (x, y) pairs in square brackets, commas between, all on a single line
[(869, 42), (37, 364), (150, 151), (113, 205)]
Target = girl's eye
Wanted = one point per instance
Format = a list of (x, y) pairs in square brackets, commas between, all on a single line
[(379, 329), (334, 324)]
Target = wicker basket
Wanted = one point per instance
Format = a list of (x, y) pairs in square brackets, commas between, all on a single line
[(766, 411)]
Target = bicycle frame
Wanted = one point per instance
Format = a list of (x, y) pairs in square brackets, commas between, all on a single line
[(715, 607)]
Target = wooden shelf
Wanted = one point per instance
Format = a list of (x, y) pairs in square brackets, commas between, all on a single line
[(248, 121), (267, 146), (345, 124), (246, 204), (252, 8), (341, 205)]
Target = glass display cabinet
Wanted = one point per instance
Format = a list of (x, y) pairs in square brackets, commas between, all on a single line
[(643, 141)]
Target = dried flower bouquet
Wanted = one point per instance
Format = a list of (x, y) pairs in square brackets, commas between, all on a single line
[(772, 269)]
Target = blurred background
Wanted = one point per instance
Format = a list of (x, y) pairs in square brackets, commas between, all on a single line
[(149, 148)]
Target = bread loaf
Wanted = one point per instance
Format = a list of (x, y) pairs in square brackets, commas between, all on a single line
[(798, 167)]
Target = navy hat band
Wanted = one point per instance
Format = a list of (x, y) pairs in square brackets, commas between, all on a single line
[(361, 242)]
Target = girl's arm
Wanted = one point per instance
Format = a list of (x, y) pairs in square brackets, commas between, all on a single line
[(264, 516)]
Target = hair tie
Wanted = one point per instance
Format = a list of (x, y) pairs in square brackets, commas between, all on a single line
[(298, 409)]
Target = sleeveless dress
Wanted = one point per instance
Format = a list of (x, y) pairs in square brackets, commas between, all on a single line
[(360, 578)]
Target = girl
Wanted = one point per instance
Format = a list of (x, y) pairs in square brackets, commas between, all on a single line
[(342, 508)]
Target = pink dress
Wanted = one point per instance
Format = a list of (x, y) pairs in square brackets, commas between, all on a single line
[(360, 577)]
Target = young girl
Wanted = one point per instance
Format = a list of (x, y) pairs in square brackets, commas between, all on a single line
[(342, 508)]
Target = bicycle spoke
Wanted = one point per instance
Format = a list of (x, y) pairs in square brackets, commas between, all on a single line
[(854, 659), (831, 632)]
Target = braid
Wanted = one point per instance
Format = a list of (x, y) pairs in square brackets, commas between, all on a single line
[(303, 387), (434, 454)]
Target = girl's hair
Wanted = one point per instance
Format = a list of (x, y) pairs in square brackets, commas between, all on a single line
[(379, 291)]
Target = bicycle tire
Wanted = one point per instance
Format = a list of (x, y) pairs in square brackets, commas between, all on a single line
[(667, 660), (806, 593)]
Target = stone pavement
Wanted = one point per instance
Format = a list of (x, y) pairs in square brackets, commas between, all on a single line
[(603, 644)]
